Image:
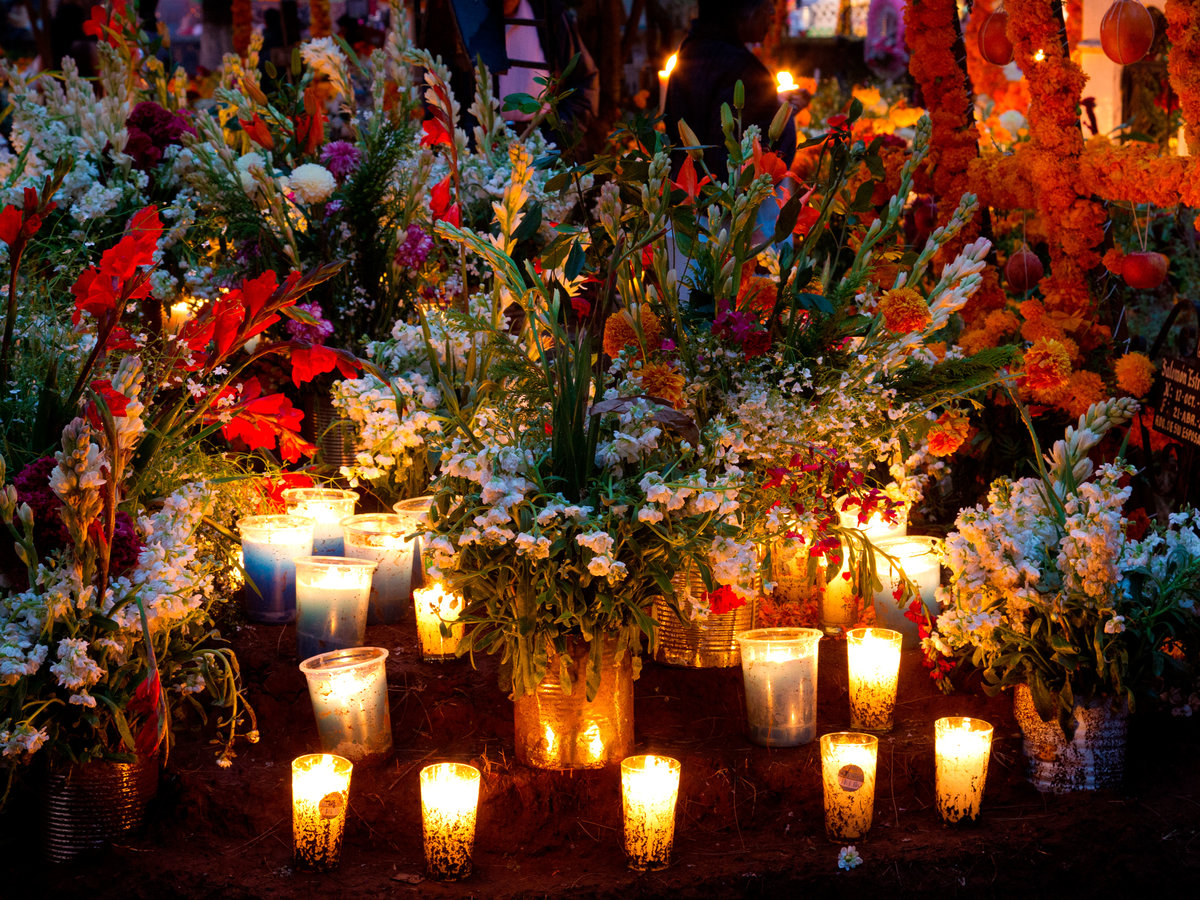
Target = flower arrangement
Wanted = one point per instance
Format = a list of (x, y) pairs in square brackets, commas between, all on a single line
[(1052, 585)]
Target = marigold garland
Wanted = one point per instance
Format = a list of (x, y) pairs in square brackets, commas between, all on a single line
[(320, 22), (1183, 64), (243, 26)]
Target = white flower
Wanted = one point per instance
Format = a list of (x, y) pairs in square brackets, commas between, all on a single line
[(848, 857), (1115, 625), (75, 669), (312, 183), (596, 541), (649, 514)]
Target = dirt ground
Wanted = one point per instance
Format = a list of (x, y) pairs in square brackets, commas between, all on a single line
[(749, 821)]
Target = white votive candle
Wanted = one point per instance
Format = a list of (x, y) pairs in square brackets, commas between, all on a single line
[(962, 747), (649, 789), (873, 658)]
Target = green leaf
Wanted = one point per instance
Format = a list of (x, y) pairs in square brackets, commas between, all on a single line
[(523, 103), (575, 262)]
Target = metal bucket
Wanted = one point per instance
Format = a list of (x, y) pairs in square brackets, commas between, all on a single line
[(336, 435), (557, 730), (90, 804), (703, 642), (1094, 757)]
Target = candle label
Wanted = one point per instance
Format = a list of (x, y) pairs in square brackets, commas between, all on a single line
[(851, 778), (331, 805)]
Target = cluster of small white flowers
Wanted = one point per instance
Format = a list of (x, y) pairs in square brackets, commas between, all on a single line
[(387, 439), (75, 670), (325, 57), (21, 741)]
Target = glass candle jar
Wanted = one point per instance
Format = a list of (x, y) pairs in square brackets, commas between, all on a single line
[(779, 670), (839, 605), (919, 558), (436, 607), (320, 796), (389, 541), (873, 658), (649, 788), (348, 689), (270, 547), (449, 799), (331, 603), (848, 773), (327, 507), (962, 747)]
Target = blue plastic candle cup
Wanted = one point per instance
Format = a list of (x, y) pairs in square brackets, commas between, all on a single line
[(331, 603), (270, 547), (327, 507)]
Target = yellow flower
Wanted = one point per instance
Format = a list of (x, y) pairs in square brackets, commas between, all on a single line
[(1135, 374), (904, 311)]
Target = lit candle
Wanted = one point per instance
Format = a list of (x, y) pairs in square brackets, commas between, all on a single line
[(962, 747), (838, 610), (649, 788), (389, 541), (270, 547), (873, 656), (779, 670), (848, 772), (348, 690), (449, 797), (664, 77), (327, 507), (919, 559), (435, 606), (180, 313), (784, 82), (320, 795), (331, 603)]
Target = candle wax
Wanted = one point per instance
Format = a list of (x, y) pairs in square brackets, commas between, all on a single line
[(271, 566), (331, 612), (781, 699)]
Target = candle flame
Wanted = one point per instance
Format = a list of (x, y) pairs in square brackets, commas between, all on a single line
[(665, 71), (785, 81), (1039, 56)]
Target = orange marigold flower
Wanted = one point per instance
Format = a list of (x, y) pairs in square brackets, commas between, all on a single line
[(1081, 390), (619, 332), (1042, 328), (758, 293), (1001, 322), (904, 311), (1135, 374), (948, 433), (662, 381), (1114, 261), (1047, 365)]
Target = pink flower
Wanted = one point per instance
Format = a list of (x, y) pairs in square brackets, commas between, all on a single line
[(341, 158)]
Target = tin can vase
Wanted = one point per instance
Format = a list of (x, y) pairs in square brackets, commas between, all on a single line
[(699, 642), (87, 805), (1093, 758), (560, 730)]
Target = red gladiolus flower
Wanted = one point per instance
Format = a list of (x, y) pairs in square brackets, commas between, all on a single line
[(146, 701), (258, 131), (116, 402), (435, 133), (316, 359), (688, 181)]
